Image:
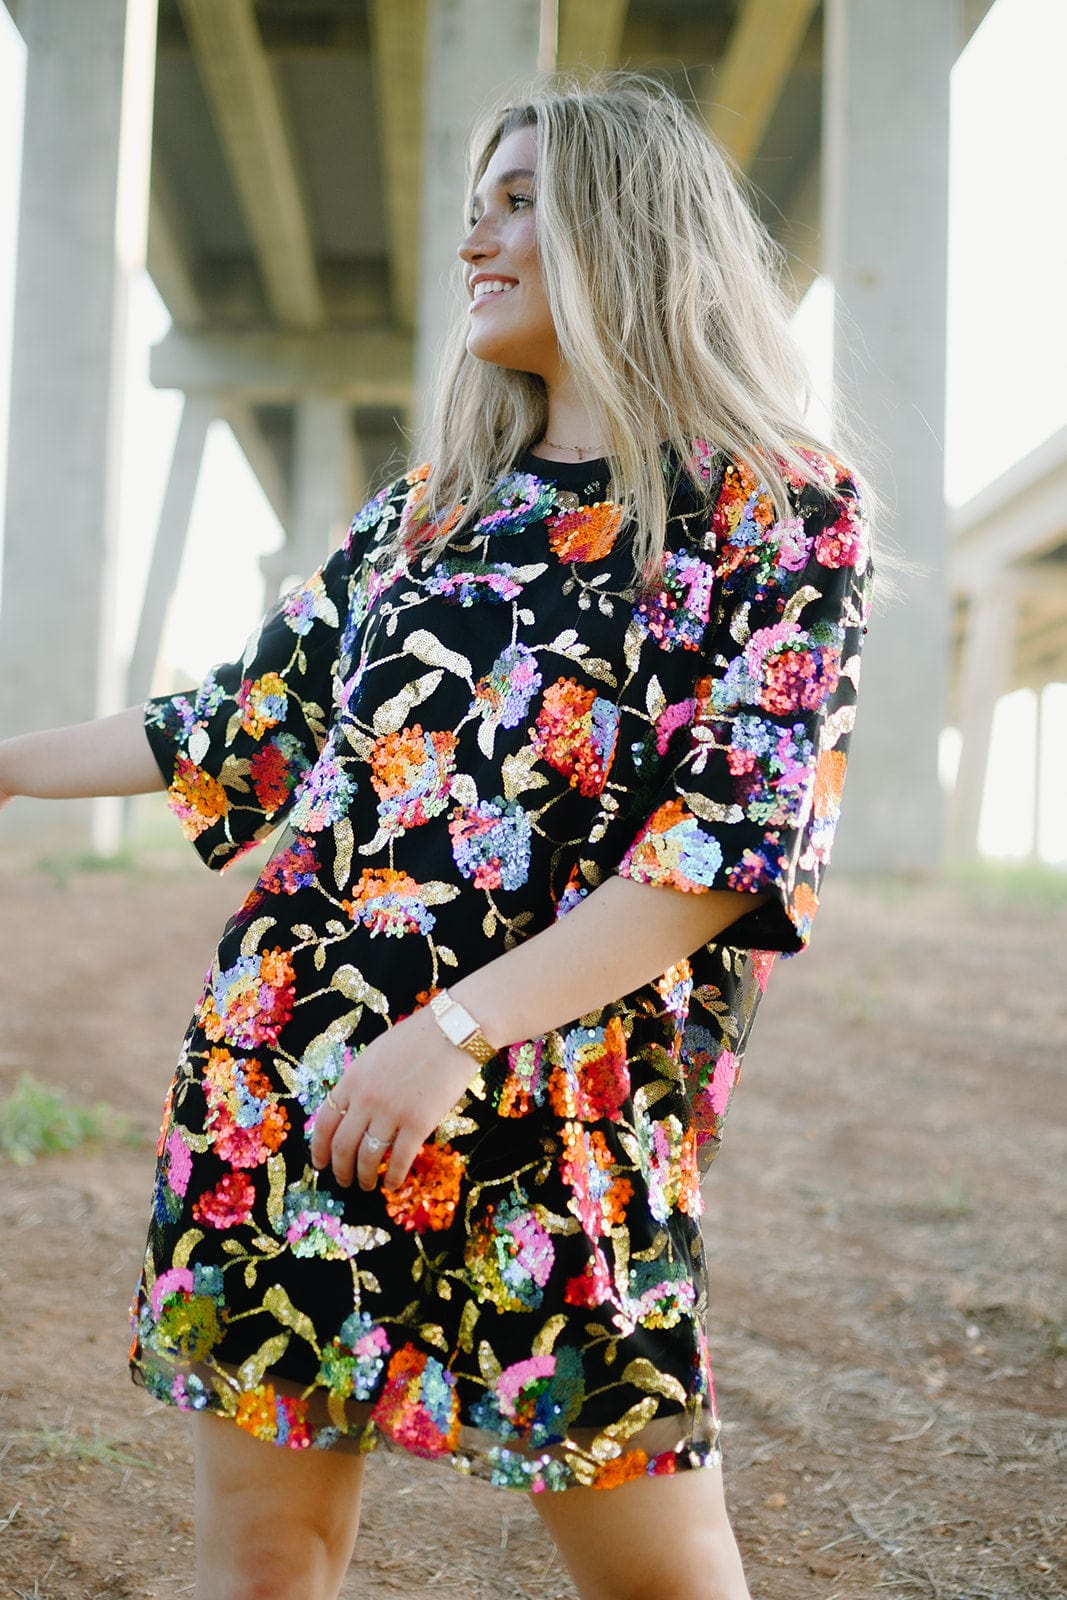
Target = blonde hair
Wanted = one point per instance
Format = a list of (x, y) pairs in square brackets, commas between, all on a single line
[(664, 292)]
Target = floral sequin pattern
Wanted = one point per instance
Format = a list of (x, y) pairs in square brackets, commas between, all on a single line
[(462, 747), (676, 614), (412, 773), (576, 732)]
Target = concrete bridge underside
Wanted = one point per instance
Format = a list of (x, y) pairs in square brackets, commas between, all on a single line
[(297, 168)]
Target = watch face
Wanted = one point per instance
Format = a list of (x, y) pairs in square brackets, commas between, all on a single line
[(455, 1026)]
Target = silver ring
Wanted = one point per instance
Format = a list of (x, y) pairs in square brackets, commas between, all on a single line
[(332, 1103), (375, 1146)]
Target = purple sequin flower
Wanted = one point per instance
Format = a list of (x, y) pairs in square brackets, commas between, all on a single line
[(323, 797), (504, 693), (491, 843)]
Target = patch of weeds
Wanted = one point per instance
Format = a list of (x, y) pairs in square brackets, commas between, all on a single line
[(38, 1119), (1055, 1344), (951, 1199), (71, 1446), (988, 884), (61, 868)]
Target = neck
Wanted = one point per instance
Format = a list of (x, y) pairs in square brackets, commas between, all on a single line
[(571, 434)]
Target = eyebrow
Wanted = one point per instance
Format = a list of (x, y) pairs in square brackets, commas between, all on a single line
[(504, 179)]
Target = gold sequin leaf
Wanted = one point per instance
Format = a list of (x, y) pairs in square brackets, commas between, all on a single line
[(278, 1303), (643, 1375), (546, 1337), (392, 714), (253, 933), (354, 986), (608, 1443), (426, 647), (250, 1372), (797, 601)]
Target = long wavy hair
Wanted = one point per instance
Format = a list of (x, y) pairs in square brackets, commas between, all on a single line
[(665, 294)]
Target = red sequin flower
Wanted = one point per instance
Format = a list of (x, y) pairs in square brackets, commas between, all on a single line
[(576, 732), (228, 1204)]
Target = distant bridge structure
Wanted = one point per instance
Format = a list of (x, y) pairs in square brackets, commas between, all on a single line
[(295, 166)]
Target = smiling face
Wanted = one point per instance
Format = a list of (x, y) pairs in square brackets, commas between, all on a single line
[(510, 323)]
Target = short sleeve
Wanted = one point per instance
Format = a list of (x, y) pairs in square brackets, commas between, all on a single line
[(234, 751), (750, 794)]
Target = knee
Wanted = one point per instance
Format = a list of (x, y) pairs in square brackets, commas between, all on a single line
[(255, 1565)]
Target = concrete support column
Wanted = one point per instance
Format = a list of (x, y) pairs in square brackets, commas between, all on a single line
[(169, 547), (885, 188), (83, 207), (475, 50), (322, 492), (1040, 730), (985, 674)]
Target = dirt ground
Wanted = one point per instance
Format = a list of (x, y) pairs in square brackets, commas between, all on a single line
[(886, 1224)]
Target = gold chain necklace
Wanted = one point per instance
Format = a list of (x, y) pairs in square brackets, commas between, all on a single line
[(580, 450)]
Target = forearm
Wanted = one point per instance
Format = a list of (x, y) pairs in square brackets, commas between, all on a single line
[(108, 757), (622, 935)]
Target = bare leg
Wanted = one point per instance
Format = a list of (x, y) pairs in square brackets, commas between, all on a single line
[(649, 1539), (271, 1524)]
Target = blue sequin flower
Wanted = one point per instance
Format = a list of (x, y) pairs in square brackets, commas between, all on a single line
[(491, 843)]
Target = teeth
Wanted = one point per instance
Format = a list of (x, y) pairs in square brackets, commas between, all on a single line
[(491, 286)]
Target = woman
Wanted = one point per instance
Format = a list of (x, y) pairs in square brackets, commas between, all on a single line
[(559, 739)]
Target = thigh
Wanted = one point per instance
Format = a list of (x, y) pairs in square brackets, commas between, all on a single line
[(271, 1520), (661, 1538)]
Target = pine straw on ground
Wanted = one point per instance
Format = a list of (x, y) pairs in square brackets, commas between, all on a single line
[(885, 1225)]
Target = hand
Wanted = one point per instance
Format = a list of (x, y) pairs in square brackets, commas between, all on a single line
[(5, 798), (397, 1090)]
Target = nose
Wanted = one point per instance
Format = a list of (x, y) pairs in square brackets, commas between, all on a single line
[(478, 244)]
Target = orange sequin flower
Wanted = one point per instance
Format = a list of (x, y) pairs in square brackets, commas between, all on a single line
[(633, 1464), (196, 798), (587, 534), (829, 781), (427, 1199)]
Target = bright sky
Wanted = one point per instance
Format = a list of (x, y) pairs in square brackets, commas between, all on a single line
[(1007, 350)]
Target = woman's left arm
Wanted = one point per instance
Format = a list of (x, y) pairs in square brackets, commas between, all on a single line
[(621, 936)]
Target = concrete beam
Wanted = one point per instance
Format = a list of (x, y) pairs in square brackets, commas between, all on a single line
[(885, 204), (739, 98), (87, 121), (589, 34), (475, 49), (244, 426), (321, 494), (1019, 516), (170, 253), (398, 45), (985, 674), (799, 233), (371, 368), (252, 128), (169, 546)]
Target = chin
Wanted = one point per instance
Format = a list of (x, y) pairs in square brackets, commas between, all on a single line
[(503, 353)]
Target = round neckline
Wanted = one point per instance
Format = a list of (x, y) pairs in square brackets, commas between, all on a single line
[(565, 471)]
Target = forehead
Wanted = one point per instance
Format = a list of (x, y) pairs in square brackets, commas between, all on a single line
[(516, 152)]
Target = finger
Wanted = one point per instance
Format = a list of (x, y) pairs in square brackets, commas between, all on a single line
[(370, 1164), (401, 1157), (327, 1120), (344, 1150), (372, 1161)]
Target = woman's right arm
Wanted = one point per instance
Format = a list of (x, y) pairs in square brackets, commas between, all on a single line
[(111, 756)]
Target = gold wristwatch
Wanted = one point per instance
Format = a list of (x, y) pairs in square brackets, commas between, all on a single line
[(457, 1024)]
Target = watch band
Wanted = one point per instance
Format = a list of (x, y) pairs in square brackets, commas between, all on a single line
[(457, 1025)]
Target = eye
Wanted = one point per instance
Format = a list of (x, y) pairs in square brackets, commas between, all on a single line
[(519, 201)]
